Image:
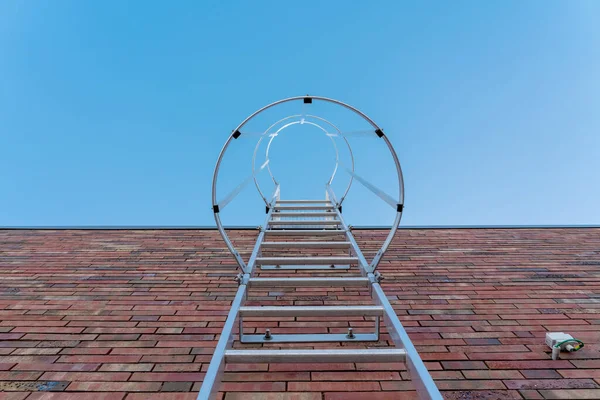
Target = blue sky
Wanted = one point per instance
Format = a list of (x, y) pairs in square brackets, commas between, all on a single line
[(113, 113)]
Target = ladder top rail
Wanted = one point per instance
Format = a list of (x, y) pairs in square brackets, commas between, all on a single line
[(311, 311), (316, 356)]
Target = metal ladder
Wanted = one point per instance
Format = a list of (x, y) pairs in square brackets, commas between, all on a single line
[(322, 222)]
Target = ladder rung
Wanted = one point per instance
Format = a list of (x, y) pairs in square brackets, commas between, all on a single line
[(292, 232), (305, 245), (305, 214), (308, 311), (304, 207), (303, 282), (305, 260), (305, 267), (304, 222), (309, 338), (315, 356), (303, 201)]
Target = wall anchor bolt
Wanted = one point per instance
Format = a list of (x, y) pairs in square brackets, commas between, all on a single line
[(350, 334)]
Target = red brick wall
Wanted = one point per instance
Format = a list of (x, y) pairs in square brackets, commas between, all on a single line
[(136, 315)]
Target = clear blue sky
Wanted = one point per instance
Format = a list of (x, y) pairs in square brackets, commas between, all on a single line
[(113, 112)]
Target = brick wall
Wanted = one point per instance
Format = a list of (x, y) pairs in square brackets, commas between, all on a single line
[(136, 315)]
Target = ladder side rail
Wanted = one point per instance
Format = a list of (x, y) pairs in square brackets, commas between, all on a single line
[(212, 379), (426, 388)]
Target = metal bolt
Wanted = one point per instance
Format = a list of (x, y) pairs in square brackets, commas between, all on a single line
[(350, 334), (268, 335)]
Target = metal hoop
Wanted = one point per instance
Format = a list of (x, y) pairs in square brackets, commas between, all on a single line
[(377, 130), (266, 133)]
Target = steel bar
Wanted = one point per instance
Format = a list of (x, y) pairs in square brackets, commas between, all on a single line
[(305, 260), (305, 245), (316, 356), (257, 246), (424, 384), (308, 232), (311, 311), (303, 201), (210, 385), (305, 214), (305, 267), (304, 222), (303, 207), (239, 188), (304, 282), (380, 193), (310, 338)]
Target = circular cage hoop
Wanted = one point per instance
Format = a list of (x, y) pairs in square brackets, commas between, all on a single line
[(272, 136), (270, 203)]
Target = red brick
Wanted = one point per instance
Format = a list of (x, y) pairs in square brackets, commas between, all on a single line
[(55, 367), (585, 363), (86, 376), (76, 396), (265, 376), (355, 376), (13, 395), (255, 387), (311, 367), (531, 394), (273, 396), (114, 386), (48, 336), (384, 367), (161, 396), (571, 394), (464, 365), (547, 364), (168, 376), (251, 367), (550, 384), (541, 374), (178, 367), (492, 374), (482, 395), (19, 376), (370, 396), (99, 359), (470, 385), (126, 367), (333, 386)]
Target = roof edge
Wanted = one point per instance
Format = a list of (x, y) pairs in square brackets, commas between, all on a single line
[(246, 227)]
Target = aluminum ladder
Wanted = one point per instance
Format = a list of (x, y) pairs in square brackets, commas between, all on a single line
[(310, 226)]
